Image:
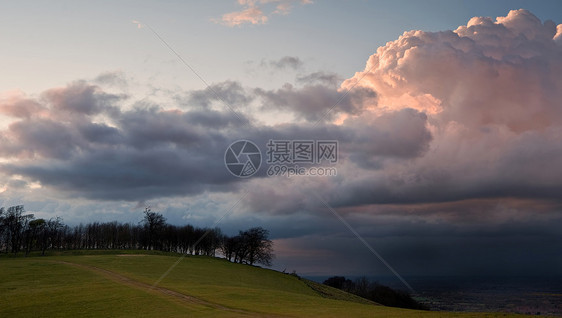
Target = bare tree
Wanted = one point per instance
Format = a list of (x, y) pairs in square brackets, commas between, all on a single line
[(2, 227), (153, 224), (51, 235), (260, 247), (15, 223), (34, 231), (229, 246), (252, 246), (21, 231)]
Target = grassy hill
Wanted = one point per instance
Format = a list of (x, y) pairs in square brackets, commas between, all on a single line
[(120, 285)]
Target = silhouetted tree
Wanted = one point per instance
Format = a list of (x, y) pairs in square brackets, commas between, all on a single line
[(15, 223), (153, 224), (374, 291), (229, 246), (260, 247), (339, 282), (21, 231), (33, 233), (2, 228), (52, 235), (251, 246)]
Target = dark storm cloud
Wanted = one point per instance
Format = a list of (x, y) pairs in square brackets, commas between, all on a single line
[(130, 174), (39, 137), (100, 133), (525, 247), (492, 241), (135, 154), (469, 254), (83, 142)]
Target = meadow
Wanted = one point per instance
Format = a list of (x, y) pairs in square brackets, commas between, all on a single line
[(121, 284)]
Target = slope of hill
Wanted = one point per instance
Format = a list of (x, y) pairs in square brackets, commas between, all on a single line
[(121, 285)]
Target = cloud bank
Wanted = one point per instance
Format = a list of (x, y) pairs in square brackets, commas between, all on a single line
[(443, 136)]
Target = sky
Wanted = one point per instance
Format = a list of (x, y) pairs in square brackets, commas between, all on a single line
[(447, 117)]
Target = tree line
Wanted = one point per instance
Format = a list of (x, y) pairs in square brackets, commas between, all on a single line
[(376, 292), (23, 233)]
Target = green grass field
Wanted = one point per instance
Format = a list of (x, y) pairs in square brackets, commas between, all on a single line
[(120, 285)]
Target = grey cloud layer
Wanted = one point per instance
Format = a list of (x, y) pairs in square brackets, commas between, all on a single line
[(442, 116), (135, 154), (80, 139)]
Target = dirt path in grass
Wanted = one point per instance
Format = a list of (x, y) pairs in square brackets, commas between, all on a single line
[(186, 299)]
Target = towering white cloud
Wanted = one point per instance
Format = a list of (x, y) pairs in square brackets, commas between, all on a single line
[(504, 72)]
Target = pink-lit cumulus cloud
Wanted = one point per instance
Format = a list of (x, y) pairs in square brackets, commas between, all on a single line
[(469, 114)]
